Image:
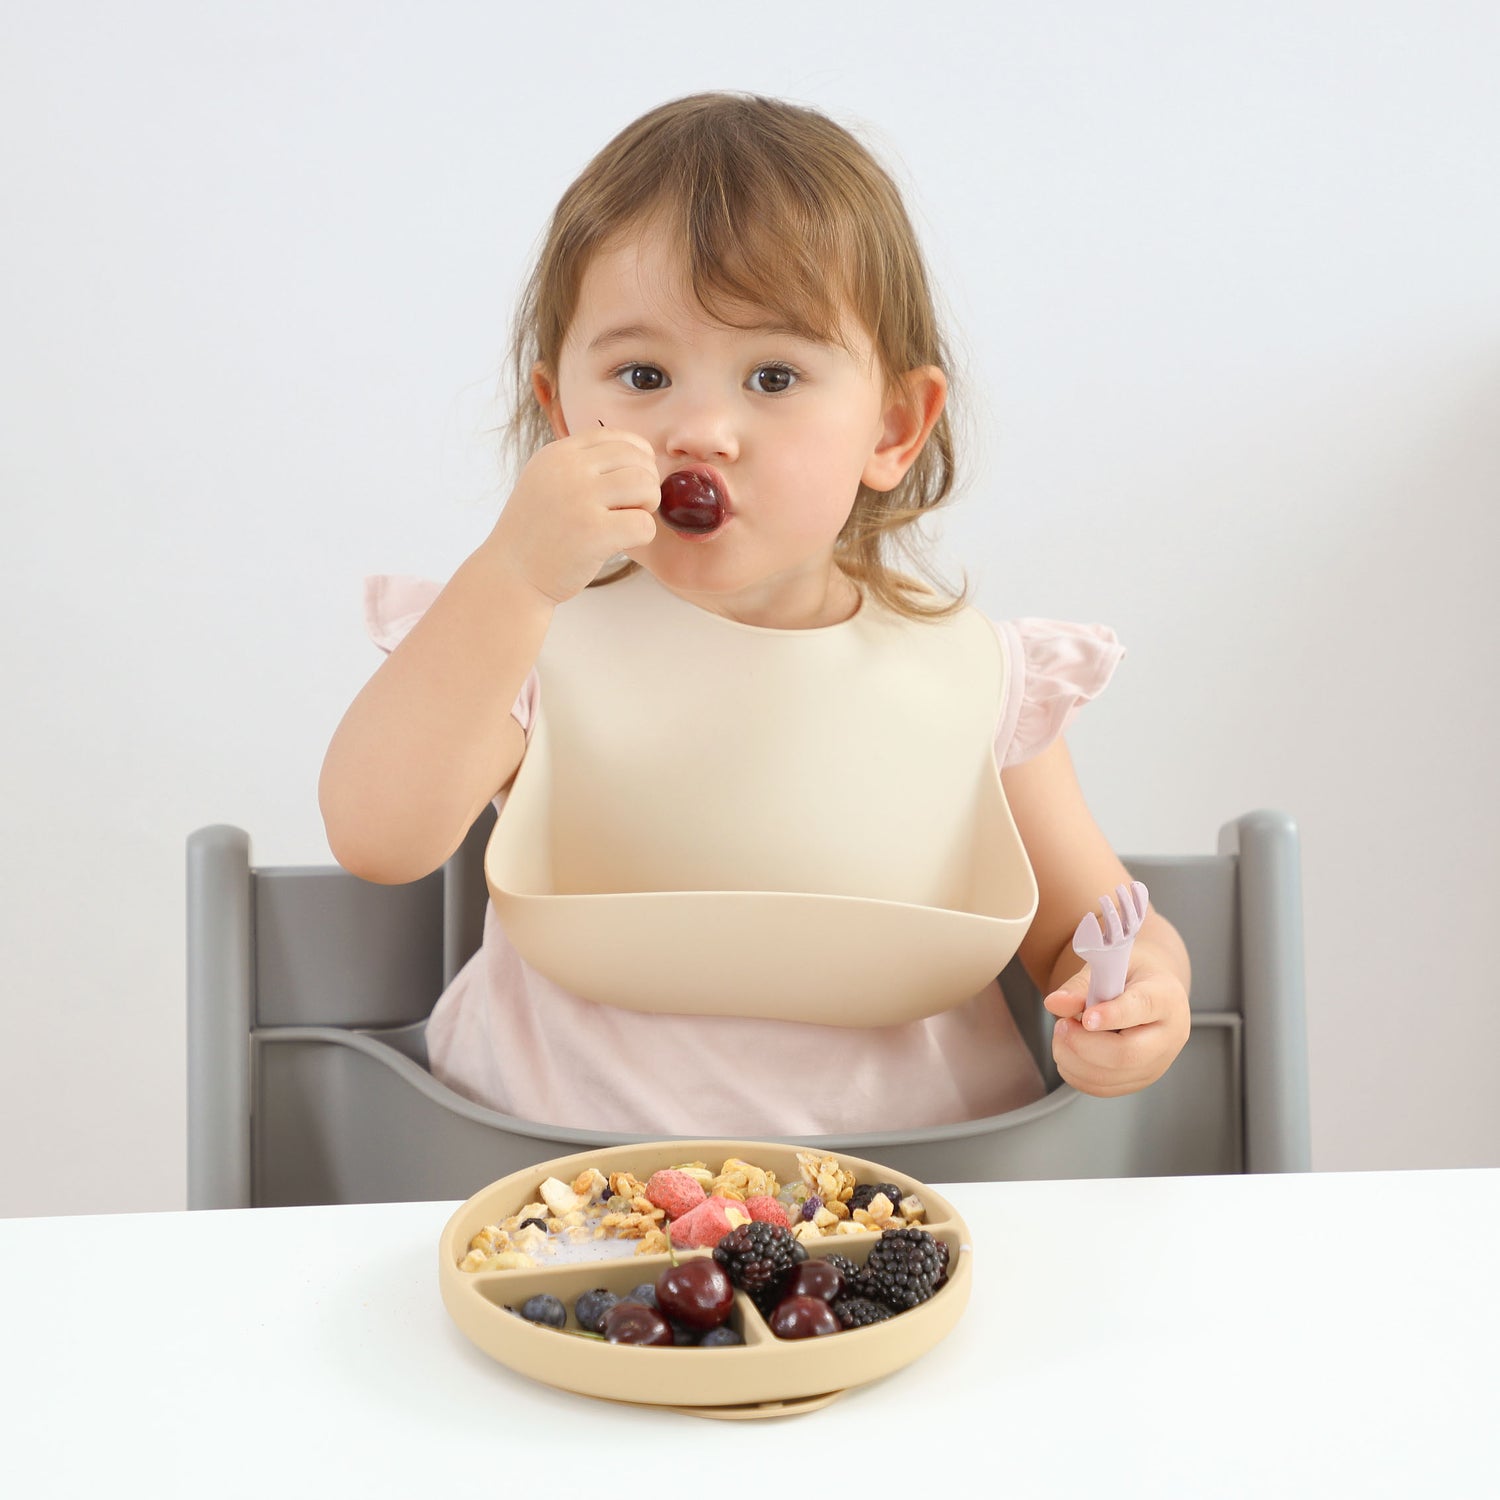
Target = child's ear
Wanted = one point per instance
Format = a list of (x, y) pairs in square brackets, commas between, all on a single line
[(910, 416), (545, 389)]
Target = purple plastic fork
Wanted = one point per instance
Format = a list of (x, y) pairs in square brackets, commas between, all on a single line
[(1106, 949)]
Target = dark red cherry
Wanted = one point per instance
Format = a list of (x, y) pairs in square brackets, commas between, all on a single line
[(634, 1323), (814, 1278), (690, 501), (804, 1318), (698, 1293)]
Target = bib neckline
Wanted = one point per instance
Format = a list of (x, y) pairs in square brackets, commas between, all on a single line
[(675, 602)]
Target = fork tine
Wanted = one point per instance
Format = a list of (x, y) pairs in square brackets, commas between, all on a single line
[(1130, 915), (1142, 900), (1114, 933), (1088, 934)]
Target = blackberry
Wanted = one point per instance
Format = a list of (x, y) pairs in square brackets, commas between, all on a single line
[(757, 1256), (903, 1268), (846, 1267), (767, 1297), (943, 1257), (853, 1274), (860, 1312), (866, 1193)]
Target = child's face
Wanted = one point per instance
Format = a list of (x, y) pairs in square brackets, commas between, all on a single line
[(792, 427)]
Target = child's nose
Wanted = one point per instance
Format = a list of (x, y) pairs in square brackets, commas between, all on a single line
[(701, 426)]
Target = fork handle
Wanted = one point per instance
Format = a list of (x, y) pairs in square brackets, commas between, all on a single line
[(1107, 969)]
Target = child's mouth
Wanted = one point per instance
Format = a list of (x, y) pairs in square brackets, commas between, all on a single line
[(694, 500)]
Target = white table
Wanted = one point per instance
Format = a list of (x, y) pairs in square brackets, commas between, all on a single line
[(1333, 1335)]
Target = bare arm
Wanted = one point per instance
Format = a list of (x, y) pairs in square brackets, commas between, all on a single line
[(430, 738), (1126, 1043), (1074, 866)]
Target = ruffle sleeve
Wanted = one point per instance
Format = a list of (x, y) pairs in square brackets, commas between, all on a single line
[(1056, 667), (394, 603)]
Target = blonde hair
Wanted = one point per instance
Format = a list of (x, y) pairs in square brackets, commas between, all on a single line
[(778, 208)]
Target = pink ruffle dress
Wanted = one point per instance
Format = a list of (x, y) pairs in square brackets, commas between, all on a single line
[(505, 1036)]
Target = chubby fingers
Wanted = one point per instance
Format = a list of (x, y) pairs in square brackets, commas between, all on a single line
[(623, 450), (1132, 1042), (1143, 1000), (1108, 1063), (1148, 997), (601, 435), (1069, 1000)]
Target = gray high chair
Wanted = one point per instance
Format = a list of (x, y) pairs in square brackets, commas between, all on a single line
[(309, 990)]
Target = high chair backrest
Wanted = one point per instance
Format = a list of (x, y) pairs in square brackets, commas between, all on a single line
[(309, 990)]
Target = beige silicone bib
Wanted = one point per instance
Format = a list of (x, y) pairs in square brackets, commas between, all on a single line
[(714, 818)]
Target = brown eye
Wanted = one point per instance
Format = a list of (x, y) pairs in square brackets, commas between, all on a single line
[(772, 380), (643, 377)]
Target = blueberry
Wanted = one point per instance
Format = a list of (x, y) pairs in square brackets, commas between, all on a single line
[(645, 1293), (544, 1309), (719, 1338), (683, 1336), (591, 1307)]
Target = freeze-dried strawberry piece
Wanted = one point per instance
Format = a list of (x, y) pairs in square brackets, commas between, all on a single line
[(675, 1192), (703, 1227), (768, 1211)]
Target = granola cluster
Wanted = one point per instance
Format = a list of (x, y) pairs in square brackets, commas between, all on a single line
[(739, 1179), (825, 1202), (592, 1207), (822, 1202)]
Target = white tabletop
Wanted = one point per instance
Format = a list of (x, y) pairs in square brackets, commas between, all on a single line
[(1332, 1334)]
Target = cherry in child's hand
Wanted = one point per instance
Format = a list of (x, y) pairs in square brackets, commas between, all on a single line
[(691, 502)]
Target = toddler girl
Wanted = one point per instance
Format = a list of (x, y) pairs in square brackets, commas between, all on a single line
[(773, 814)]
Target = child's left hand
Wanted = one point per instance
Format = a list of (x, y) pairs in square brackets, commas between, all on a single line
[(1124, 1044)]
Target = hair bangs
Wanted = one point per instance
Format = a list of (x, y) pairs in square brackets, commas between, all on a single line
[(754, 243)]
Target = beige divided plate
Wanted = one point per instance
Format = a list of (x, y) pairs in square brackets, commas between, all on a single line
[(767, 1376)]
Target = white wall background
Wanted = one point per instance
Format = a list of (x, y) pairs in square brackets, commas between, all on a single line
[(1226, 280)]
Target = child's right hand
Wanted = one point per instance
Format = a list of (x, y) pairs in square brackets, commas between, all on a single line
[(578, 502)]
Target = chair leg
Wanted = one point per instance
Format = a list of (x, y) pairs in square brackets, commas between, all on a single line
[(1273, 986), (220, 985)]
